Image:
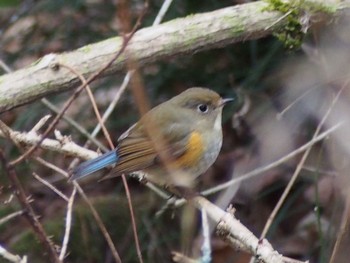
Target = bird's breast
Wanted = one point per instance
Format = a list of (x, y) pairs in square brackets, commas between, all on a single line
[(211, 145), (195, 149)]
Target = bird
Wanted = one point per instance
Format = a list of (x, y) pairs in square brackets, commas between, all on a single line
[(173, 143)]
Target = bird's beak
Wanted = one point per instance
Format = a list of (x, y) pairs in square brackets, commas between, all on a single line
[(224, 101)]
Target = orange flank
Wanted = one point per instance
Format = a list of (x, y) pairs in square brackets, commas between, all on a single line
[(194, 151)]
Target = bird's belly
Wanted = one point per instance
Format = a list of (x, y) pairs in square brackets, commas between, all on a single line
[(209, 157)]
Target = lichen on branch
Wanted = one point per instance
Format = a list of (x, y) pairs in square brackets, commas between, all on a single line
[(298, 15)]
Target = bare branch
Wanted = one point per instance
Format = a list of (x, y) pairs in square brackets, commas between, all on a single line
[(180, 36), (99, 223), (53, 188), (55, 66), (67, 147), (11, 257), (68, 224), (30, 215), (274, 164), (260, 248), (74, 124), (10, 216), (300, 166)]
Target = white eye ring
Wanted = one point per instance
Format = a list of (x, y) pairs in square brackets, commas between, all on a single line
[(203, 108)]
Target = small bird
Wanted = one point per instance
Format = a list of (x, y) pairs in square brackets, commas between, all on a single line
[(173, 143)]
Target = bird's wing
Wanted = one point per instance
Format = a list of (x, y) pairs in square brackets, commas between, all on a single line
[(136, 150)]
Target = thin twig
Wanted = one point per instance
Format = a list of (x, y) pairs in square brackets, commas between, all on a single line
[(106, 114), (6, 68), (343, 230), (30, 215), (295, 101), (93, 102), (74, 124), (68, 224), (40, 124), (11, 216), (112, 105), (256, 172), (18, 137), (11, 257), (53, 108), (51, 166), (233, 227), (181, 258), (88, 89), (72, 98), (99, 222), (67, 147), (101, 124), (275, 163), (206, 248), (133, 221), (94, 213), (53, 124), (298, 169), (279, 19), (320, 171), (53, 188), (164, 8)]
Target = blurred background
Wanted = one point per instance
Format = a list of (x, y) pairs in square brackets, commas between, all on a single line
[(281, 97)]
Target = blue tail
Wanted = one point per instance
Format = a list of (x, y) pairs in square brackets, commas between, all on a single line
[(94, 165)]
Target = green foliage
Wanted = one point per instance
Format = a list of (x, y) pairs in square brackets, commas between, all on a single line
[(292, 34), (9, 3)]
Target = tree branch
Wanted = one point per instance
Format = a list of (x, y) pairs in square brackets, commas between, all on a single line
[(228, 227), (29, 214), (177, 37), (63, 144)]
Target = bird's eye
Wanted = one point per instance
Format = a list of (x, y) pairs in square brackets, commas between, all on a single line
[(203, 108)]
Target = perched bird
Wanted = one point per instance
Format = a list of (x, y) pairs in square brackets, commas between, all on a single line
[(173, 143)]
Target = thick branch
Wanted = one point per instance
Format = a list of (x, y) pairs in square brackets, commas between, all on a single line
[(177, 37), (229, 227)]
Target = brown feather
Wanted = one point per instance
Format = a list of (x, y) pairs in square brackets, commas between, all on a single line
[(135, 154)]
